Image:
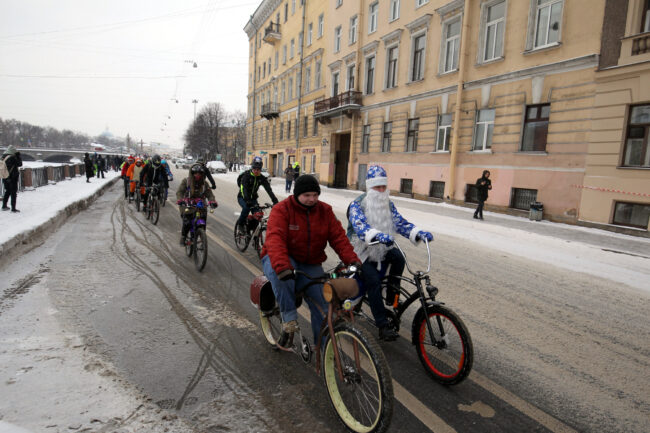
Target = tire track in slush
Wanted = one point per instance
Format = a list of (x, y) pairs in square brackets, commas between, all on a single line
[(195, 328)]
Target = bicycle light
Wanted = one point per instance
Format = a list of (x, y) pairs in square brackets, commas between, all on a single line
[(328, 292), (347, 305)]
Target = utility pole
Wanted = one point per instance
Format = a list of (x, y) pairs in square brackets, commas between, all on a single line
[(195, 101)]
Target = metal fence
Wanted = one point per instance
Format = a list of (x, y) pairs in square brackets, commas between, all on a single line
[(58, 173), (40, 177)]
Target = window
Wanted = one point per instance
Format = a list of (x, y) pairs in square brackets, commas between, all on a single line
[(365, 141), (292, 49), (353, 29), (317, 75), (548, 17), (436, 189), (391, 67), (335, 83), (305, 127), (370, 75), (631, 214), (471, 193), (310, 31), (350, 83), (263, 69), (388, 133), (281, 130), (286, 12), (250, 50), (304, 162), (412, 135), (313, 163), (293, 7), (394, 10), (372, 17), (301, 38), (315, 127), (321, 19), (298, 85), (277, 60), (451, 43), (282, 92), (269, 63), (645, 22), (521, 198), (339, 3), (494, 24), (307, 79), (289, 129), (406, 186), (417, 65), (419, 3), (277, 18), (444, 132), (284, 55), (484, 128), (637, 143), (290, 89), (337, 39), (536, 128)]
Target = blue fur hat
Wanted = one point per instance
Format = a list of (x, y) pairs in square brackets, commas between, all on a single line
[(376, 176)]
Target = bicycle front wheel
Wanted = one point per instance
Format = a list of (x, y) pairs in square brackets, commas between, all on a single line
[(259, 241), (189, 244), (363, 400), (200, 249), (241, 239), (448, 359), (137, 201), (155, 210)]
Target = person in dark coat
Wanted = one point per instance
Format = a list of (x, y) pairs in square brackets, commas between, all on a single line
[(12, 159), (88, 163), (101, 166), (288, 176), (483, 184)]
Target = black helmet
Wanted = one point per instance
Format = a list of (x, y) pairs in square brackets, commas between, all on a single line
[(196, 168), (257, 162), (156, 160)]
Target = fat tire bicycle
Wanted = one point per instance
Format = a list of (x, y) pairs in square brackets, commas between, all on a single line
[(255, 229), (441, 339), (153, 204), (196, 241), (353, 366)]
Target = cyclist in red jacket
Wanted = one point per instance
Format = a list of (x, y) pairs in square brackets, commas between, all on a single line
[(298, 231)]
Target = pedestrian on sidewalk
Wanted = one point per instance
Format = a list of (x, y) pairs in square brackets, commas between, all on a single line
[(88, 163), (101, 166), (12, 160), (483, 184), (288, 176)]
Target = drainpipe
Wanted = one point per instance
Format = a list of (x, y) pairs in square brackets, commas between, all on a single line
[(357, 87), (464, 48), (254, 88), (302, 57)]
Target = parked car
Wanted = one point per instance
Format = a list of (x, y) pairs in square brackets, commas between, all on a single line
[(217, 167), (179, 163)]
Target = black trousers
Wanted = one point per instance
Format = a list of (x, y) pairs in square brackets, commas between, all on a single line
[(11, 191), (479, 209)]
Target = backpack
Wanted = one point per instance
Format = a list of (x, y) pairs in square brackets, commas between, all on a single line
[(4, 171)]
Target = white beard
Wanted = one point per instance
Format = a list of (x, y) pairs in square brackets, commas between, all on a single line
[(376, 207)]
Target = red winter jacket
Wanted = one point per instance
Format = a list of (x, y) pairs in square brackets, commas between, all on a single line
[(302, 233)]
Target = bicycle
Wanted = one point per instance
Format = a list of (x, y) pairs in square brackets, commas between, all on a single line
[(153, 204), (196, 242), (255, 229), (138, 195), (441, 339), (355, 371)]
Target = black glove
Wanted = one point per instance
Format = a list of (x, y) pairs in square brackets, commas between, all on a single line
[(214, 187), (287, 275)]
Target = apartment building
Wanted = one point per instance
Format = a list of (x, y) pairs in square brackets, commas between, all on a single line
[(616, 188), (286, 47), (437, 91)]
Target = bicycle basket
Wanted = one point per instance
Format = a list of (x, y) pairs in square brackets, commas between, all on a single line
[(261, 293)]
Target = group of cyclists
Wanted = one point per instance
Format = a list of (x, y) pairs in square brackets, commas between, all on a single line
[(139, 172)]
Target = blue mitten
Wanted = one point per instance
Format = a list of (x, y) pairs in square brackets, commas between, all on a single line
[(384, 239), (425, 235)]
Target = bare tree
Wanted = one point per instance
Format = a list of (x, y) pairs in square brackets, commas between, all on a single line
[(205, 135)]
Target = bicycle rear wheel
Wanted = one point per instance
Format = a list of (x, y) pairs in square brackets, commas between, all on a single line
[(363, 400), (259, 241), (241, 239), (449, 358), (163, 198), (200, 249), (155, 211)]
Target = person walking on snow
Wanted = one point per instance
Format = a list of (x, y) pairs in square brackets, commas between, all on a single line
[(483, 184), (373, 218), (12, 160), (88, 163)]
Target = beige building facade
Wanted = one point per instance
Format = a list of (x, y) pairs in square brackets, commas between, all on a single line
[(438, 91)]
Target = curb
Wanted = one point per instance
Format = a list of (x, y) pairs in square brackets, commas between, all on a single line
[(28, 240)]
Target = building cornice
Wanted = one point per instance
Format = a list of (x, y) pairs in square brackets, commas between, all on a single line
[(350, 57), (370, 47), (259, 17), (424, 95), (318, 52), (335, 65), (450, 7)]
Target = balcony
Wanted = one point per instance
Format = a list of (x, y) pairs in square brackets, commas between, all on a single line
[(270, 110), (272, 33), (344, 103), (635, 49), (641, 44)]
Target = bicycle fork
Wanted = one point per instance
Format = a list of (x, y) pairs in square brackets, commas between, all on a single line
[(423, 300), (335, 348)]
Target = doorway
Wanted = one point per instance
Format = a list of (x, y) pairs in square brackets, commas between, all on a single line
[(341, 160), (273, 169)]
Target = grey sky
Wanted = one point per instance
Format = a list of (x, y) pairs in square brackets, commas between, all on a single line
[(87, 64)]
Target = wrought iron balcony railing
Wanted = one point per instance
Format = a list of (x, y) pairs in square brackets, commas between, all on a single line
[(350, 99)]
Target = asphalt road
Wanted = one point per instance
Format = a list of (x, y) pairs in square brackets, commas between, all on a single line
[(554, 350)]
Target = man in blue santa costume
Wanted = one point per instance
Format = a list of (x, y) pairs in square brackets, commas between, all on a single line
[(374, 218)]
